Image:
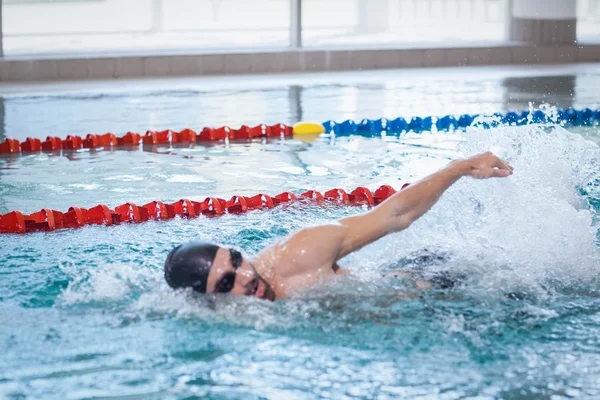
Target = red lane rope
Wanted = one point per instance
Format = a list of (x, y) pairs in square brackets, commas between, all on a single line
[(92, 141), (76, 217)]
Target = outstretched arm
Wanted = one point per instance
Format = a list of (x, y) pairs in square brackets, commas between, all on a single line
[(324, 245), (403, 208)]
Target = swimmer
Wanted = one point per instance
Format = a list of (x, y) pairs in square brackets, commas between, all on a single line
[(310, 255)]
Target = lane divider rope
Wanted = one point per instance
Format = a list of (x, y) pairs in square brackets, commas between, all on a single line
[(447, 123), (366, 127), (92, 141), (76, 217)]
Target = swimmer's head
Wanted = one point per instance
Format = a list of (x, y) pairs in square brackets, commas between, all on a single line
[(209, 268)]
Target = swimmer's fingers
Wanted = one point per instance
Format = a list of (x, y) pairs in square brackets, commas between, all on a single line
[(500, 173), (488, 165), (485, 173), (504, 165)]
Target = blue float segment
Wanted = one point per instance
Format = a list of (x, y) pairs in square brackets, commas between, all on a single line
[(366, 127), (446, 123), (524, 119), (381, 125), (348, 127), (427, 124), (539, 117), (416, 124), (564, 115), (398, 125), (329, 126), (588, 116), (577, 118), (370, 127), (511, 118), (465, 120)]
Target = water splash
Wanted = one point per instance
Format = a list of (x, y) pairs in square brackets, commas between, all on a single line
[(532, 231)]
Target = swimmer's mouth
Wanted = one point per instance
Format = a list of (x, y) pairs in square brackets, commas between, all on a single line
[(262, 290)]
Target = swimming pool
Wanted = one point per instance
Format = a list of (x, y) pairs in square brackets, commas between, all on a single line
[(86, 314)]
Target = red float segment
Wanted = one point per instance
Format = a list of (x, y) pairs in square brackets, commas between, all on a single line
[(284, 197), (9, 146), (164, 137), (128, 212), (129, 139), (52, 143), (183, 208), (186, 136), (13, 222), (236, 205), (154, 210), (74, 218), (31, 145), (383, 193), (259, 131), (259, 201), (211, 206), (241, 204), (281, 129), (99, 215), (313, 195), (337, 196), (72, 142), (40, 221), (362, 196), (92, 141), (239, 134), (212, 135)]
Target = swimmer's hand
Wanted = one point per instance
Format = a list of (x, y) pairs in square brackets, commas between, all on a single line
[(485, 165)]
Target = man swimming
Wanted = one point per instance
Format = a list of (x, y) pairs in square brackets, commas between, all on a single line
[(310, 255)]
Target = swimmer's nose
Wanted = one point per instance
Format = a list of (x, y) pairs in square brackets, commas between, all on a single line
[(248, 280)]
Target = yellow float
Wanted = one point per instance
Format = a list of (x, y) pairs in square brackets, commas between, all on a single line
[(308, 128)]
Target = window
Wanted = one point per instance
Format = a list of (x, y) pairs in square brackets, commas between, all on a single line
[(92, 26), (588, 20), (381, 22)]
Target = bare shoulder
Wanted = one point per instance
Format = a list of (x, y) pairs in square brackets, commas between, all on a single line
[(305, 249)]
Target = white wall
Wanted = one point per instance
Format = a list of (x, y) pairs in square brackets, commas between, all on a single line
[(545, 9)]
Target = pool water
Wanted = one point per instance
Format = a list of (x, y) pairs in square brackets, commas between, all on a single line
[(86, 313)]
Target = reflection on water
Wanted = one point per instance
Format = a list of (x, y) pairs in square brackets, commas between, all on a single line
[(557, 90), (2, 119), (120, 112)]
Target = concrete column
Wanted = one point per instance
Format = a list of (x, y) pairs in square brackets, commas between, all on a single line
[(296, 24), (2, 120), (295, 98), (544, 22), (1, 36)]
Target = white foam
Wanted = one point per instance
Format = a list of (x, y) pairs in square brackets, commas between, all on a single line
[(522, 231), (111, 282)]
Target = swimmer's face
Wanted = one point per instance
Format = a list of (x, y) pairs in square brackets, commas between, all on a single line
[(231, 273)]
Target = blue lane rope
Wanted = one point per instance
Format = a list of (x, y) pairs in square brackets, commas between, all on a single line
[(370, 127)]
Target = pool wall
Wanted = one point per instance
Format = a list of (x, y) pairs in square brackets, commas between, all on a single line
[(293, 60)]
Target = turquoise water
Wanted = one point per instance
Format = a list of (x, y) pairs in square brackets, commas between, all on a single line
[(86, 313)]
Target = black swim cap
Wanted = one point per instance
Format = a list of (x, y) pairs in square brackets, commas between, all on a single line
[(188, 265)]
